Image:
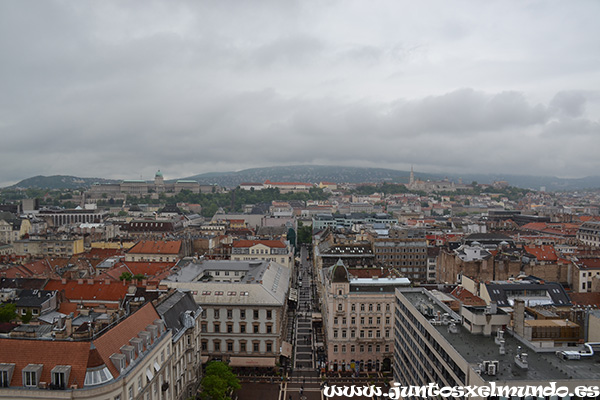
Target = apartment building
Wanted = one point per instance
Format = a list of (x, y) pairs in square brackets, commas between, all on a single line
[(267, 250), (358, 316), (244, 308), (435, 345), (404, 249)]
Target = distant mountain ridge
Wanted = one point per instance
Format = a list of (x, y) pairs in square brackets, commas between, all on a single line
[(320, 173), (60, 182)]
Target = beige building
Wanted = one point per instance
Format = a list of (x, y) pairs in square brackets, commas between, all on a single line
[(49, 247), (244, 308), (267, 250), (132, 360), (358, 314)]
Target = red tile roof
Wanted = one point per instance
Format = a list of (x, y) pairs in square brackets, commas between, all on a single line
[(156, 247), (23, 352), (592, 263), (585, 299), (542, 253), (250, 243), (120, 335), (466, 297), (82, 290), (36, 269)]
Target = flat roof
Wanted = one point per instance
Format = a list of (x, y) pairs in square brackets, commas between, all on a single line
[(475, 349)]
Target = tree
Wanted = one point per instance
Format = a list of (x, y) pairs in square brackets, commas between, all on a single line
[(126, 276), (304, 234), (219, 382), (8, 312), (27, 317)]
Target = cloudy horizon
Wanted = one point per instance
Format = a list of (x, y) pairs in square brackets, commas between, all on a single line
[(121, 89)]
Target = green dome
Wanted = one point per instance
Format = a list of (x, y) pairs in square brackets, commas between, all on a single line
[(158, 174)]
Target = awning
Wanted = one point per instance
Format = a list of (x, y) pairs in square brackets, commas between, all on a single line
[(204, 359), (149, 374), (286, 349), (252, 362)]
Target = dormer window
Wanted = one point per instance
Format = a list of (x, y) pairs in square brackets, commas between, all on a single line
[(138, 345), (60, 377), (119, 361), (129, 352), (6, 373), (31, 375)]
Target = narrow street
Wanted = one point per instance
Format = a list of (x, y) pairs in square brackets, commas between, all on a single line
[(304, 382)]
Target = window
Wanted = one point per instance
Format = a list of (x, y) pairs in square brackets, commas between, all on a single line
[(130, 394), (362, 307), (344, 321), (370, 320), (6, 372), (343, 333), (30, 378), (242, 314), (269, 328), (353, 307), (353, 321), (335, 321), (216, 313), (370, 307), (387, 348), (217, 327), (378, 333), (229, 346), (229, 314), (242, 328), (343, 348), (387, 333), (362, 348), (242, 346), (269, 347), (217, 345), (352, 349), (387, 320), (339, 307), (60, 376), (230, 328), (362, 333), (256, 347), (31, 375), (269, 314), (387, 307), (203, 327), (370, 348), (335, 333), (256, 328), (362, 320), (370, 333), (353, 333), (335, 348), (255, 314)]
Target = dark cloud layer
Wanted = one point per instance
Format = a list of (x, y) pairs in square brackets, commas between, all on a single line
[(117, 89)]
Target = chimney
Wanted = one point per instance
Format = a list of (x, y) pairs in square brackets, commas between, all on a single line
[(69, 324), (519, 317)]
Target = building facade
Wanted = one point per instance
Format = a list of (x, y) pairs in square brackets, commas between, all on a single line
[(358, 317)]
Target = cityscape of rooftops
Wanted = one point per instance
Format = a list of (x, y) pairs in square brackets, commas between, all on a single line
[(212, 200)]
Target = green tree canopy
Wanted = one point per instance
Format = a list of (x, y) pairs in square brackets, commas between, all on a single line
[(219, 382), (8, 312)]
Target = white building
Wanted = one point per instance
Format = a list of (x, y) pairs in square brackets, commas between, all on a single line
[(245, 305)]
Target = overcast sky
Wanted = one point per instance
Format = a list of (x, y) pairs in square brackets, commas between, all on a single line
[(120, 89)]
